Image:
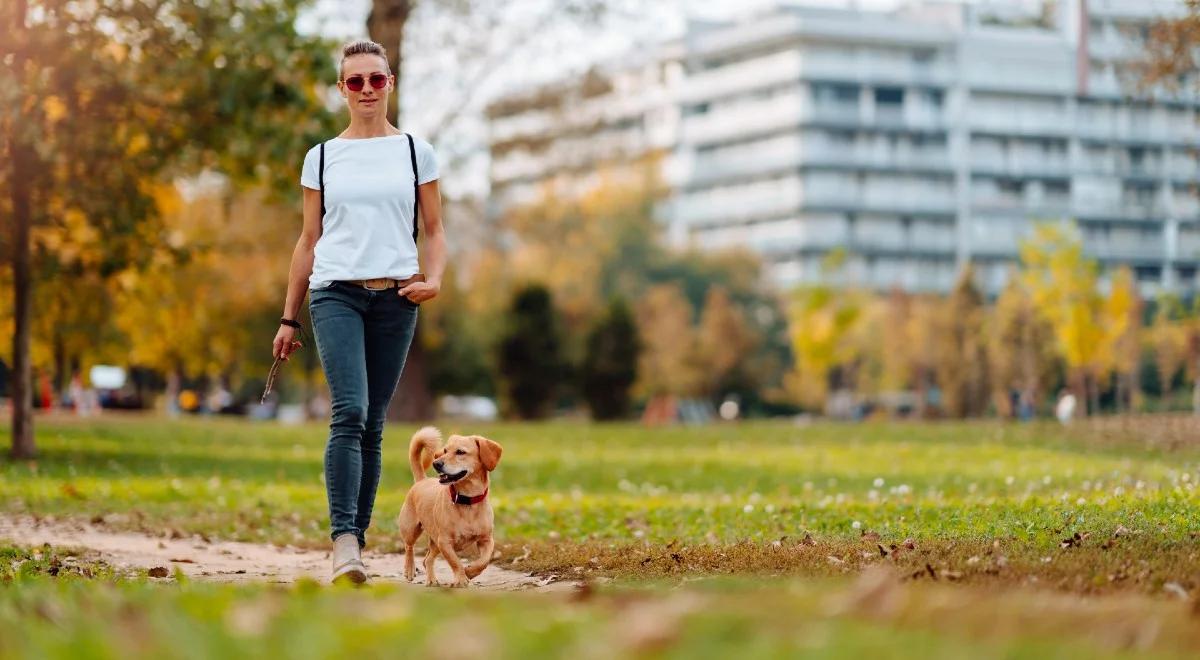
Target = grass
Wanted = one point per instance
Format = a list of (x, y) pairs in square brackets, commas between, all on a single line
[(971, 521), (44, 616)]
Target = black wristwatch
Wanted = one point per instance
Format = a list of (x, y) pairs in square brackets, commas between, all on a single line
[(291, 323)]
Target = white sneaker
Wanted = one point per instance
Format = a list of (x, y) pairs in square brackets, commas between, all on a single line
[(347, 562)]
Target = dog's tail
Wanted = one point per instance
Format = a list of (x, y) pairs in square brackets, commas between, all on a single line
[(424, 445)]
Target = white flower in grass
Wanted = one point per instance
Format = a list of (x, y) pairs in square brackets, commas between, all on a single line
[(749, 508), (878, 483), (1008, 481), (856, 525)]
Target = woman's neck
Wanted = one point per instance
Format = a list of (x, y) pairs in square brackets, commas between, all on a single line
[(362, 129)]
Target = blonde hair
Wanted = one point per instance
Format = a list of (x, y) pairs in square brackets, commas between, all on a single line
[(361, 47)]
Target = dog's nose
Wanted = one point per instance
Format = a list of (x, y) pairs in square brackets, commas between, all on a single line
[(437, 465)]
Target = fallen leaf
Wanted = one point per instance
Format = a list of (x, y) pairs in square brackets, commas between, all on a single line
[(183, 561), (158, 572), (1176, 589)]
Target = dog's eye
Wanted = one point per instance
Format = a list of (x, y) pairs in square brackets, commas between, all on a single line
[(460, 452)]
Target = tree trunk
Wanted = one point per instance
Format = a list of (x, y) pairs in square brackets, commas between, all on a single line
[(385, 24), (413, 400), (1093, 390), (1196, 390), (22, 373)]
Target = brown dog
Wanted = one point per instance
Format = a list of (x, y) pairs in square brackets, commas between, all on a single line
[(452, 508)]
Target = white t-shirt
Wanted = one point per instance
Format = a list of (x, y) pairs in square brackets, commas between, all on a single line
[(367, 230)]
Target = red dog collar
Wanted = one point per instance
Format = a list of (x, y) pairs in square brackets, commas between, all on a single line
[(466, 499)]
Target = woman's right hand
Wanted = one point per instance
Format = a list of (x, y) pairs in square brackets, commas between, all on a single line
[(285, 342)]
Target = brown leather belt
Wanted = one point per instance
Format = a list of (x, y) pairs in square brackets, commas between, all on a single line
[(381, 283)]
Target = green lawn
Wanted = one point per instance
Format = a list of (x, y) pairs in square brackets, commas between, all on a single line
[(623, 483), (793, 512)]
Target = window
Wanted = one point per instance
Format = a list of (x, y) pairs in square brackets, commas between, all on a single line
[(889, 95), (1010, 187), (1148, 273), (935, 97), (835, 93)]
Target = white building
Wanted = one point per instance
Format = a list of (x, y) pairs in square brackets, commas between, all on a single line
[(561, 136), (919, 139)]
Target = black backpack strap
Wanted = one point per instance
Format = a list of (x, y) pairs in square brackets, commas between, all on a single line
[(321, 178), (412, 154)]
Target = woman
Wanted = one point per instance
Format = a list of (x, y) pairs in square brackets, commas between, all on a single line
[(357, 256)]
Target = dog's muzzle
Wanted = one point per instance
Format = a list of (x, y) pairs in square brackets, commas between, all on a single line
[(447, 478)]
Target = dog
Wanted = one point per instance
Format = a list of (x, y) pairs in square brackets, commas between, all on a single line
[(451, 508)]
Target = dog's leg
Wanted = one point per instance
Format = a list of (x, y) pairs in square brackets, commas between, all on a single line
[(409, 533), (447, 550), (430, 555), (486, 547)]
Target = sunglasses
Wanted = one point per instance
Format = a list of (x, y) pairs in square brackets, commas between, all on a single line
[(355, 83)]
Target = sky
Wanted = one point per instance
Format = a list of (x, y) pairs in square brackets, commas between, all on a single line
[(444, 90)]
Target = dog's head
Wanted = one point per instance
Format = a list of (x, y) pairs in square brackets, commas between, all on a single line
[(466, 455)]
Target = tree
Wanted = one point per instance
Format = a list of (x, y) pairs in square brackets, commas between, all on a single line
[(456, 343), (475, 61), (530, 354), (1021, 349), (668, 360), (105, 101), (1170, 59), (724, 340), (962, 364), (1064, 286), (1193, 355), (1168, 338), (1122, 348), (822, 319), (610, 362)]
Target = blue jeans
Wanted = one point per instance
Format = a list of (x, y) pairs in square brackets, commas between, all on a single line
[(363, 338)]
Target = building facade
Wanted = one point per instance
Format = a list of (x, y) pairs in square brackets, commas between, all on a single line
[(920, 139)]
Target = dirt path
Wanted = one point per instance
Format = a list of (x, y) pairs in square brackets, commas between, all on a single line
[(229, 561)]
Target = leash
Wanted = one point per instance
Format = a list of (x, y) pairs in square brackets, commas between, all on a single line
[(279, 360)]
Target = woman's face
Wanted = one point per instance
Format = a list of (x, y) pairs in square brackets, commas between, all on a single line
[(365, 72)]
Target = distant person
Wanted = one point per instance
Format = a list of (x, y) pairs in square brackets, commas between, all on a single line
[(1064, 410), (357, 259)]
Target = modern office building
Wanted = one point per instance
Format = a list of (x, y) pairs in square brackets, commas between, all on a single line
[(916, 140)]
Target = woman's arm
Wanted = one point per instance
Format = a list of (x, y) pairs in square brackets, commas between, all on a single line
[(434, 249), (299, 271)]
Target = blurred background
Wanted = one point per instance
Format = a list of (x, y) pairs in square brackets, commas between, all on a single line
[(678, 211)]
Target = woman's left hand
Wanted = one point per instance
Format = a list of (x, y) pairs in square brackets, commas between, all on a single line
[(419, 292)]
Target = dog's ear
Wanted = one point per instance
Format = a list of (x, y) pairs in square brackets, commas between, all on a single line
[(489, 452)]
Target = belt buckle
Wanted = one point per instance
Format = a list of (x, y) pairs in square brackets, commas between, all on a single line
[(378, 280)]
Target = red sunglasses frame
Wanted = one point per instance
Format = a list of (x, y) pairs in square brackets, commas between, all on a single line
[(356, 83)]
